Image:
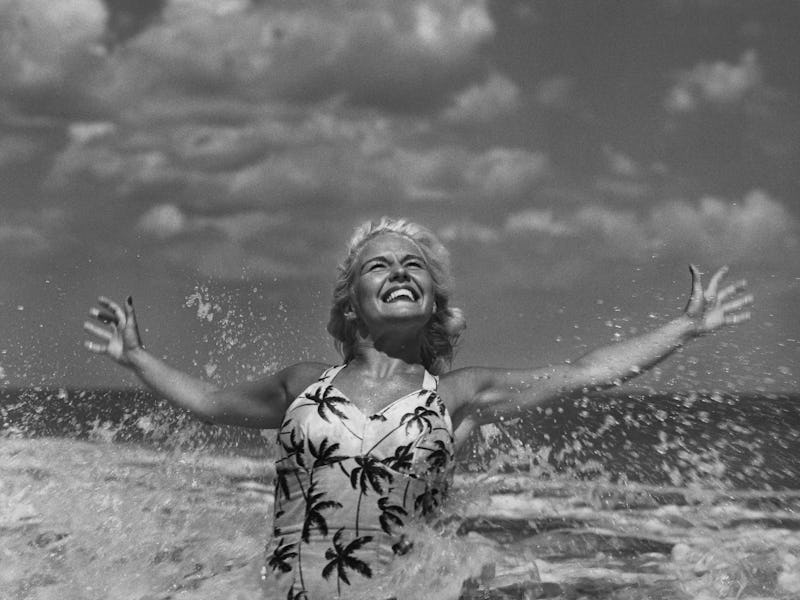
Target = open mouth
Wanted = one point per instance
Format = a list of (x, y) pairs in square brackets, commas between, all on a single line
[(400, 295)]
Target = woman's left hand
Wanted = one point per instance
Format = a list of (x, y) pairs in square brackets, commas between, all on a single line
[(712, 307)]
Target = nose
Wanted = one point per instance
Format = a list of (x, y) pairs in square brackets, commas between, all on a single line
[(398, 272)]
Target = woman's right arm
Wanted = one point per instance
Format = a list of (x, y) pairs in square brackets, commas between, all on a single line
[(259, 404)]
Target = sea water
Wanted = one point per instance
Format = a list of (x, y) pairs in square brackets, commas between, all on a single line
[(114, 495)]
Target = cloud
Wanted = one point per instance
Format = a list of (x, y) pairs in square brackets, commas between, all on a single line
[(168, 221), (33, 233), (505, 171), (221, 246), (539, 221), (163, 221), (620, 163), (370, 51), (23, 239), (755, 228), (48, 52), (227, 260), (325, 154), (18, 149), (468, 231), (715, 84), (556, 91), (483, 102)]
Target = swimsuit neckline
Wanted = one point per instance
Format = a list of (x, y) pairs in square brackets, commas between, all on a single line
[(330, 373)]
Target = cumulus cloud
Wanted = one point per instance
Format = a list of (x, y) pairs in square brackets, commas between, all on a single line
[(556, 91), (483, 102), (758, 226), (163, 221), (468, 231), (717, 83), (168, 221), (23, 239), (226, 260), (374, 49), (32, 233), (43, 38), (323, 154), (539, 221), (755, 228), (219, 246), (17, 149), (506, 171)]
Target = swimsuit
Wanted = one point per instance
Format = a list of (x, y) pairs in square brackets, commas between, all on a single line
[(346, 484)]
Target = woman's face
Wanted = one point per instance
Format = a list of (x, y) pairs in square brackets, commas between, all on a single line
[(392, 284)]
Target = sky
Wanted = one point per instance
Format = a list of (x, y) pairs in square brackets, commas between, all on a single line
[(211, 158)]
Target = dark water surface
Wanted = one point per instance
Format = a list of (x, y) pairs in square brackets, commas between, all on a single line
[(742, 441)]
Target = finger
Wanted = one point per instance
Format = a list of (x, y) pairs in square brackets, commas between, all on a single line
[(105, 317), (103, 334), (731, 289), (113, 307), (737, 318), (129, 311), (713, 285), (95, 347), (734, 305), (697, 289)]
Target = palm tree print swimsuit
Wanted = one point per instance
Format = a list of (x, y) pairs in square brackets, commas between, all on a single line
[(346, 484)]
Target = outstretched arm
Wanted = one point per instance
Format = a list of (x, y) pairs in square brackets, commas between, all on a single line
[(483, 395), (258, 404)]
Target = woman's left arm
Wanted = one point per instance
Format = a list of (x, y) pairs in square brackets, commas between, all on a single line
[(483, 395)]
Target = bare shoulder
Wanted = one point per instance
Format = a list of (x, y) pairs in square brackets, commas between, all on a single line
[(297, 377), (458, 387)]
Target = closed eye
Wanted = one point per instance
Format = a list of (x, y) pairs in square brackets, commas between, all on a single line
[(373, 265)]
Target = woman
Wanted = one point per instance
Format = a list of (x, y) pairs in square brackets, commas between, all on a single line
[(368, 445)]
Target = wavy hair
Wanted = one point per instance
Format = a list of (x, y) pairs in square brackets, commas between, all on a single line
[(446, 324)]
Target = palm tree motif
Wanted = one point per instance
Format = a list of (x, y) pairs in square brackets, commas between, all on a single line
[(281, 485), (327, 400), (294, 448), (402, 458), (421, 417), (324, 455), (369, 473), (390, 514), (279, 561), (299, 595), (314, 508), (439, 458), (427, 501), (341, 558), (439, 404)]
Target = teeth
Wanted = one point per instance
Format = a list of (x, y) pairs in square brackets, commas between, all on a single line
[(400, 294)]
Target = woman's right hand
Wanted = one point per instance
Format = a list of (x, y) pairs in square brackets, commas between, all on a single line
[(119, 339)]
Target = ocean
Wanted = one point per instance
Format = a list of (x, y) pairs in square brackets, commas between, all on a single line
[(113, 494)]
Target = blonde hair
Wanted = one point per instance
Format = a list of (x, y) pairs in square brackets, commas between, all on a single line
[(446, 324)]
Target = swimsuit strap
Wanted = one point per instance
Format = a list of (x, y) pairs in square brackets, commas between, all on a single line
[(331, 372), (430, 382)]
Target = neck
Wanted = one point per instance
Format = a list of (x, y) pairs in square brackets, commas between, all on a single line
[(382, 360)]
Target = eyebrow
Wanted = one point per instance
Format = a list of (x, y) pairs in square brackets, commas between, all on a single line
[(385, 258)]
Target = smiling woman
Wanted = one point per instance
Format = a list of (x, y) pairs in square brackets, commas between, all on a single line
[(367, 447), (425, 254)]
